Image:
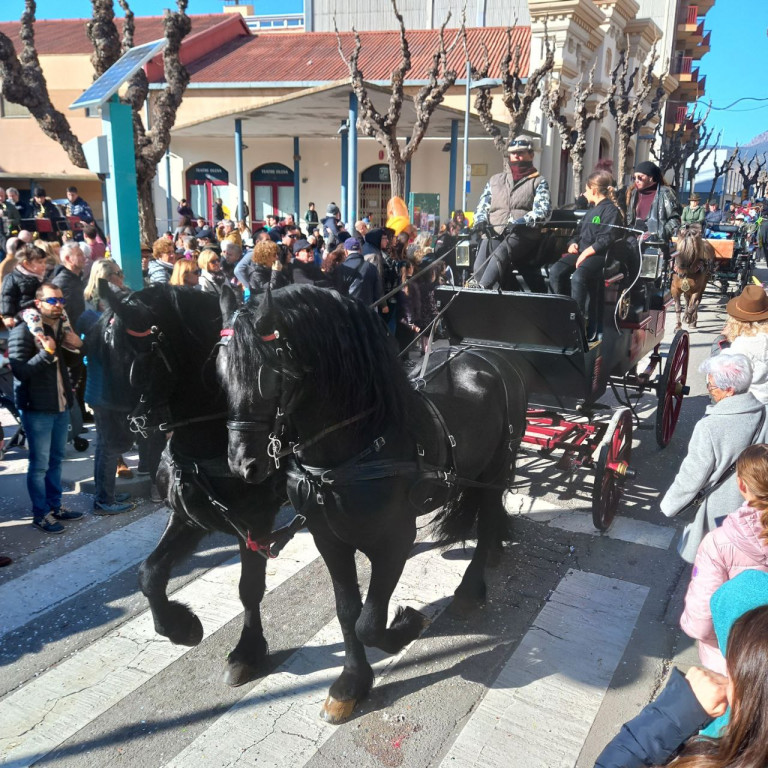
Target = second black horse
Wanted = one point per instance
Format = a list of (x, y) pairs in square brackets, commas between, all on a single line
[(314, 380)]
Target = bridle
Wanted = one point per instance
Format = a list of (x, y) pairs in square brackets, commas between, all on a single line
[(277, 427)]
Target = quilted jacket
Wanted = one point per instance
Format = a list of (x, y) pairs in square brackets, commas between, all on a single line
[(725, 552)]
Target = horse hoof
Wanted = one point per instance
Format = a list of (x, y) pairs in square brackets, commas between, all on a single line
[(186, 628), (237, 673), (463, 607), (337, 712)]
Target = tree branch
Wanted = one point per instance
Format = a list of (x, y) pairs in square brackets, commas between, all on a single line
[(22, 82)]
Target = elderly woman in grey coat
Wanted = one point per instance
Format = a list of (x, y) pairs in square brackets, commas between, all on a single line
[(735, 420)]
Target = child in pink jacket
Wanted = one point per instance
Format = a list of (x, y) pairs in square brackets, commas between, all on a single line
[(740, 543)]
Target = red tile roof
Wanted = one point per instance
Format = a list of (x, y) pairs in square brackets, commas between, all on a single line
[(313, 56), (62, 36)]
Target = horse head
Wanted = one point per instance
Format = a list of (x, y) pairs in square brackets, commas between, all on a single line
[(689, 248), (257, 422)]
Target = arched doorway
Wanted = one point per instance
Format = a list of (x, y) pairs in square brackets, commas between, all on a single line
[(375, 191), (271, 191), (202, 179)]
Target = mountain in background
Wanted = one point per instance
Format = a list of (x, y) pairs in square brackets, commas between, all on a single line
[(757, 145)]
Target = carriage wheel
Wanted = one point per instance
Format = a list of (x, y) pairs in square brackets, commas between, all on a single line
[(611, 469), (671, 388)]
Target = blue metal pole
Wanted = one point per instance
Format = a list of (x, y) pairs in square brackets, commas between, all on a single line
[(239, 166), (407, 181), (122, 193), (344, 173), (296, 178), (452, 168), (352, 179), (168, 195)]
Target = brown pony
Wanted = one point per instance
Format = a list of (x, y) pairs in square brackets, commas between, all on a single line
[(693, 262)]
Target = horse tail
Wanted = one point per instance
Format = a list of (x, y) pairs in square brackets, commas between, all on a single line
[(456, 519)]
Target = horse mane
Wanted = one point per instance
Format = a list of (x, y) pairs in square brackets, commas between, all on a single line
[(689, 249), (341, 348)]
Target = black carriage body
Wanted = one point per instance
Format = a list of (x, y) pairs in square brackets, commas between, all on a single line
[(544, 336)]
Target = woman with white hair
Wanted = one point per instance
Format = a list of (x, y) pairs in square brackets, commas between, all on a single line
[(735, 420)]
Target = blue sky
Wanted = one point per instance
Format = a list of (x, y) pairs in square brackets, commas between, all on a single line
[(735, 65)]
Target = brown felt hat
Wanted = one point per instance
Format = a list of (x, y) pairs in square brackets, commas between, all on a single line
[(750, 306)]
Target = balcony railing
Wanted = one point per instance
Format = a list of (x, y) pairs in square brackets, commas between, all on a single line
[(692, 14), (683, 66)]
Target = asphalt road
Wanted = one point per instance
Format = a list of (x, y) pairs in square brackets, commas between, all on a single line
[(579, 632)]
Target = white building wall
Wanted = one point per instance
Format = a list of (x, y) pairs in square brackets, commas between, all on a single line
[(320, 168)]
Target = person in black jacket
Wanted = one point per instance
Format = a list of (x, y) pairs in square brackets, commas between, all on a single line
[(304, 271), (20, 285), (578, 271), (364, 283), (43, 395), (69, 277)]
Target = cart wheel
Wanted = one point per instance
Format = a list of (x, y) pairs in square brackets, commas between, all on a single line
[(611, 469), (671, 388)]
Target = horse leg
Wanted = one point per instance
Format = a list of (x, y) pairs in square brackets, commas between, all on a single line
[(678, 310), (356, 679), (491, 526), (245, 659), (172, 619), (387, 563)]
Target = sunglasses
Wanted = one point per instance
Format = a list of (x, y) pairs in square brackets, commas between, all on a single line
[(293, 237), (521, 144), (54, 300), (214, 261), (640, 177)]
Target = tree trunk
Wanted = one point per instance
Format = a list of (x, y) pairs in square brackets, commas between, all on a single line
[(397, 177), (623, 142), (147, 222), (578, 172)]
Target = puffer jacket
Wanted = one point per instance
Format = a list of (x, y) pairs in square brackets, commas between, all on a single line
[(756, 349), (717, 440), (725, 552), (18, 292), (72, 287), (35, 385), (159, 272)]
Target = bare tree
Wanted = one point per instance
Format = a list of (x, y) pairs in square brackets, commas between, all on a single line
[(517, 94), (703, 149), (673, 149), (573, 130), (384, 126), (750, 172), (627, 97), (23, 82), (721, 169)]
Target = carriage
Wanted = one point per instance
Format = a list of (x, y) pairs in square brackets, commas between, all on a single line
[(567, 370), (734, 259)]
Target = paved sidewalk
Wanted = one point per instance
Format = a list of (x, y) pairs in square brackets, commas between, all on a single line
[(27, 545)]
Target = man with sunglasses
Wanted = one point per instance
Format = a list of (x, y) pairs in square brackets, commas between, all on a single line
[(43, 395), (512, 205)]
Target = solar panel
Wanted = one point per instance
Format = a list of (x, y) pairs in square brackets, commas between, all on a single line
[(109, 83)]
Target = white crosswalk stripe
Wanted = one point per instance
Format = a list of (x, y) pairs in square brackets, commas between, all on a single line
[(539, 690), (579, 520), (542, 705), (45, 712)]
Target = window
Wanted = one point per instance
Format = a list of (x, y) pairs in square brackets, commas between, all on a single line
[(9, 109)]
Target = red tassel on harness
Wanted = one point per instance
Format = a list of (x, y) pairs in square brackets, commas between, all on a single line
[(256, 545)]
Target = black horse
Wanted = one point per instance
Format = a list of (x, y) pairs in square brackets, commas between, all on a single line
[(167, 335), (314, 379)]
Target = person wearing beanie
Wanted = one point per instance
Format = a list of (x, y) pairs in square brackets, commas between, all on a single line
[(512, 205), (331, 226), (652, 206)]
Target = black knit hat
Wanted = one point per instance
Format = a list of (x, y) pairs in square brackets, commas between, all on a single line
[(649, 169)]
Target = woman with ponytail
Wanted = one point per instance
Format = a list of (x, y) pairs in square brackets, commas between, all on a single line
[(740, 543), (579, 270)]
